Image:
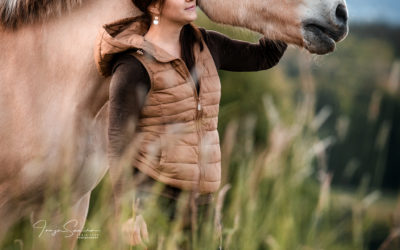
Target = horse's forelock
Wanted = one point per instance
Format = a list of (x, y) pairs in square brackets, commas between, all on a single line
[(15, 12)]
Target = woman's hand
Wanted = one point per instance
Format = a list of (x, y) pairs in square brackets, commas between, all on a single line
[(274, 45), (134, 230), (273, 51)]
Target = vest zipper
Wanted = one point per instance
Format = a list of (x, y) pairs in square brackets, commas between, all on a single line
[(198, 121)]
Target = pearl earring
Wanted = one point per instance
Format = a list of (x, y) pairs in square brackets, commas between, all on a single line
[(155, 21)]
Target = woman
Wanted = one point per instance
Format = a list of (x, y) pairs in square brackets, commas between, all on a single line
[(165, 82)]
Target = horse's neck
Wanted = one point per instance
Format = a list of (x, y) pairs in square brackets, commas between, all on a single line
[(47, 74), (55, 58)]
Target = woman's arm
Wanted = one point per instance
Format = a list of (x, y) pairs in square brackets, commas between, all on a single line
[(128, 88), (236, 55)]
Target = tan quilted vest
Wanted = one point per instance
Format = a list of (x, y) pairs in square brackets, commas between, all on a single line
[(177, 126)]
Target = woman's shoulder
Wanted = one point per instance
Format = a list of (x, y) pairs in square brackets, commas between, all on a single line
[(211, 33), (127, 61), (203, 31), (207, 33), (130, 69), (214, 39)]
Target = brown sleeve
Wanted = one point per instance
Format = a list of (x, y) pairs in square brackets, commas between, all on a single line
[(129, 86), (236, 55)]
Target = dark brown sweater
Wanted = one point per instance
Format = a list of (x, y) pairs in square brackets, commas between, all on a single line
[(130, 81)]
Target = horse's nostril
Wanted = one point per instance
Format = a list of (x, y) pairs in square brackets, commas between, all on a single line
[(341, 13)]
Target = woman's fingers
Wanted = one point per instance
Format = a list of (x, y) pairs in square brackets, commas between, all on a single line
[(127, 231), (143, 228), (135, 230), (130, 234)]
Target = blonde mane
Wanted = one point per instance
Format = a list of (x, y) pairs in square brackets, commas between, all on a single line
[(16, 12)]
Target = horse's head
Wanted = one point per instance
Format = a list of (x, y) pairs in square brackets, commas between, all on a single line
[(316, 25)]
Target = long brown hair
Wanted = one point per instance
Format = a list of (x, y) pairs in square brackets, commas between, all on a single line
[(190, 33)]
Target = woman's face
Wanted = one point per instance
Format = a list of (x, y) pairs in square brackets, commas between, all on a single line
[(179, 11)]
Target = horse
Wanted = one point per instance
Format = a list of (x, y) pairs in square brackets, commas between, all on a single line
[(53, 118)]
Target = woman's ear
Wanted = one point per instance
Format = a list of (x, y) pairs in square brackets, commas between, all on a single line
[(154, 9)]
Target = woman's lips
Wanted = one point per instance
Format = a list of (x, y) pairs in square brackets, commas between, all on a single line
[(191, 7)]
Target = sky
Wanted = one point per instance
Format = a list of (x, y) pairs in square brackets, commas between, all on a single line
[(374, 10)]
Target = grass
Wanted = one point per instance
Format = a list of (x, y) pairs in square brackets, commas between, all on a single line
[(279, 197)]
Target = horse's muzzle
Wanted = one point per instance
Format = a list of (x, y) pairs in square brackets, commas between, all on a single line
[(321, 36)]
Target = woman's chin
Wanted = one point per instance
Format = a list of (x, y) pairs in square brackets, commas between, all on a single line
[(186, 19), (191, 17), (189, 20)]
